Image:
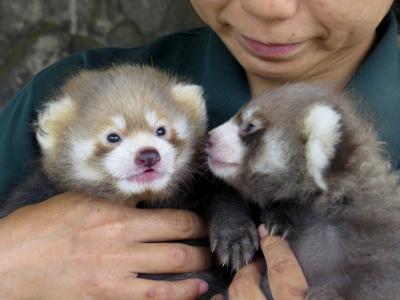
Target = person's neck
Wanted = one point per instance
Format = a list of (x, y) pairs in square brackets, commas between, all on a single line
[(335, 76)]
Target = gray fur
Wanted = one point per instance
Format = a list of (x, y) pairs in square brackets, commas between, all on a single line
[(35, 188), (233, 234), (346, 238)]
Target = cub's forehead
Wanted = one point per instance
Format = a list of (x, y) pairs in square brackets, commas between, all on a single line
[(119, 121), (152, 118), (250, 113), (149, 118), (178, 122)]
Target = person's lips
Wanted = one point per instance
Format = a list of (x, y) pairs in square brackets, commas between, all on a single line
[(269, 50)]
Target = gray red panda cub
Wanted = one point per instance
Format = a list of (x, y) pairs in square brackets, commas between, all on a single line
[(128, 133), (317, 175)]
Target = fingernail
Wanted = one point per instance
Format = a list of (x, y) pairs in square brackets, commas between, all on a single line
[(262, 231), (203, 287)]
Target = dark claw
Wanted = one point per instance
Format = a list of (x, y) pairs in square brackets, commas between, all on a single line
[(235, 247), (277, 223)]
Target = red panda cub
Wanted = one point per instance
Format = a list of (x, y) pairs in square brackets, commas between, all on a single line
[(316, 174), (128, 133), (131, 134)]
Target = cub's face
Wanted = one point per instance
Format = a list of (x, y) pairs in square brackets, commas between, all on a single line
[(249, 144), (135, 133), (279, 145), (138, 156)]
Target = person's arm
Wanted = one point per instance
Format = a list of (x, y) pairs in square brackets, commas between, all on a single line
[(75, 247), (285, 277)]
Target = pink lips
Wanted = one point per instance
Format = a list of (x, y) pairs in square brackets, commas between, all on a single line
[(220, 164), (145, 177), (269, 50)]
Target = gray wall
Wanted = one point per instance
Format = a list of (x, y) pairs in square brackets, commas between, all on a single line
[(36, 33)]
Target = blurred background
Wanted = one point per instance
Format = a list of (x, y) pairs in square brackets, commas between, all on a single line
[(36, 33)]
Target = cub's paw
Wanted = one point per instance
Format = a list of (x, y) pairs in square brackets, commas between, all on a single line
[(322, 293), (234, 245), (277, 223)]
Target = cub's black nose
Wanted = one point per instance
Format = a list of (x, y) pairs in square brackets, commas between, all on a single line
[(147, 157)]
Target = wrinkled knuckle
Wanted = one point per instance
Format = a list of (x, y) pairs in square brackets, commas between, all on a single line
[(189, 291), (162, 292), (115, 228), (96, 286), (180, 257), (183, 222), (279, 266)]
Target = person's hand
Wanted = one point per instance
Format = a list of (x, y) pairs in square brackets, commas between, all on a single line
[(75, 247), (285, 278)]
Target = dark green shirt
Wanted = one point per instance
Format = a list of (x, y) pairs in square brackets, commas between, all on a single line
[(200, 56)]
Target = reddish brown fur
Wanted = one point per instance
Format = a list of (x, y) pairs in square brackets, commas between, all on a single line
[(127, 91)]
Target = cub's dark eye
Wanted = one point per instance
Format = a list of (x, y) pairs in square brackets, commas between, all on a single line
[(113, 138), (161, 131), (249, 128)]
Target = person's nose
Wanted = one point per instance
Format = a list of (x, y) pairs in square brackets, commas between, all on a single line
[(271, 9)]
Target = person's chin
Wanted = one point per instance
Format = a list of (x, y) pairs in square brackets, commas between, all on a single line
[(281, 70)]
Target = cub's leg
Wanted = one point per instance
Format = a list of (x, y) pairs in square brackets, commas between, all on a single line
[(233, 233)]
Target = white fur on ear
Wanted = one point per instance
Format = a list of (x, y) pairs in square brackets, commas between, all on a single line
[(191, 97), (51, 120), (322, 129)]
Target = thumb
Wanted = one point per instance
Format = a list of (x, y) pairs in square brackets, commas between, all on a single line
[(285, 277)]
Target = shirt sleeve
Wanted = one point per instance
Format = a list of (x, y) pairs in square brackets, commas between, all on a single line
[(18, 146)]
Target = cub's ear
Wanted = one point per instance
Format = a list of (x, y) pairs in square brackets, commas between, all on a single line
[(322, 130), (51, 123), (190, 96)]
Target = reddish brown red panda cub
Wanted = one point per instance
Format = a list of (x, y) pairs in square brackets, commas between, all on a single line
[(128, 133)]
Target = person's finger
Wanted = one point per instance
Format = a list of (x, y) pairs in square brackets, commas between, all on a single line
[(285, 277), (138, 288), (156, 258), (246, 283), (252, 271), (165, 225)]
